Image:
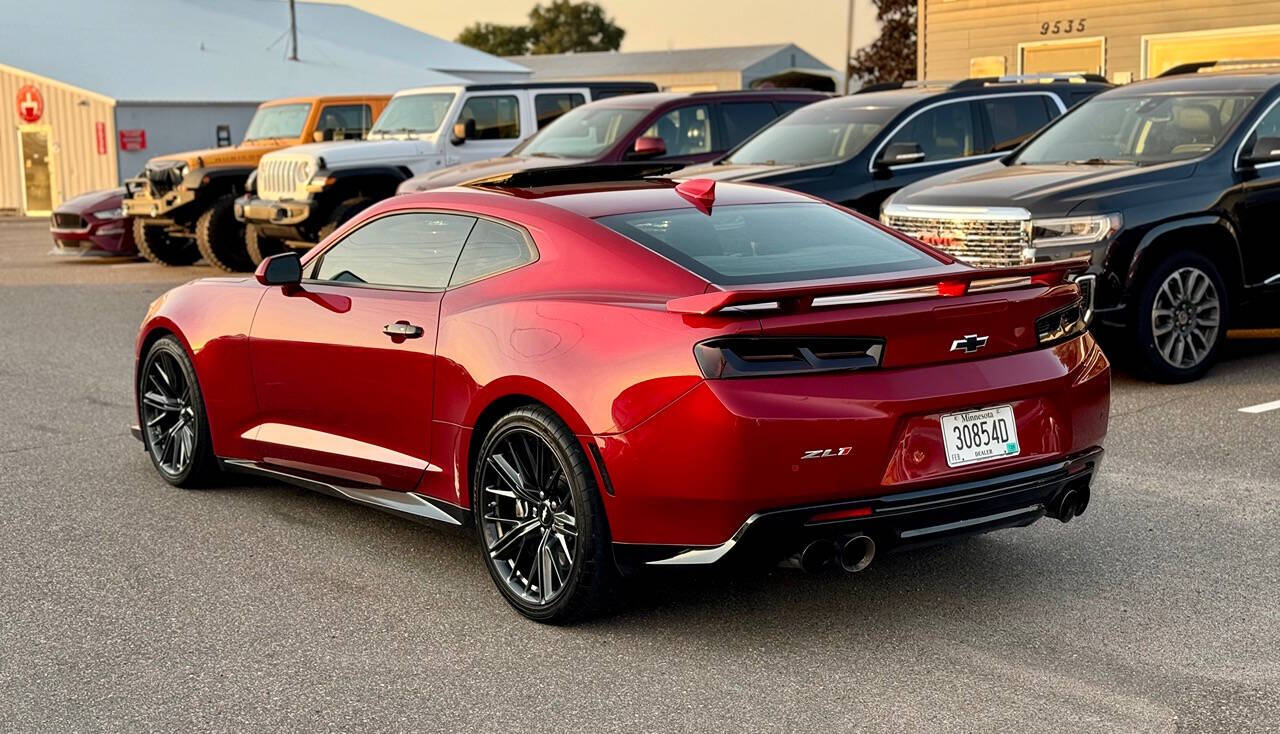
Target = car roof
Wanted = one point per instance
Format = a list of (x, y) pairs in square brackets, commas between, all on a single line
[(653, 100), (1205, 81), (907, 96)]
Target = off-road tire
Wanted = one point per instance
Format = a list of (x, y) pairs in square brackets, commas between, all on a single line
[(155, 244), (341, 213), (260, 246), (220, 238)]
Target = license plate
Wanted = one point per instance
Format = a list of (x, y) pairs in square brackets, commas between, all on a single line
[(975, 436)]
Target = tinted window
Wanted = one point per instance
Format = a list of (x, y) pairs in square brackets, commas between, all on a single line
[(1136, 129), (416, 250), (496, 118), (1013, 119), (584, 132), (743, 118), (491, 248), (685, 130), (815, 134), (345, 120), (789, 105), (548, 107), (943, 132), (770, 243)]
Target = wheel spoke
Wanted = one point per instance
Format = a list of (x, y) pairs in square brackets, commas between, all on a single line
[(160, 402), (512, 477), (508, 539)]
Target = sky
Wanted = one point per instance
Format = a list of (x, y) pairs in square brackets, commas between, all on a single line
[(817, 26)]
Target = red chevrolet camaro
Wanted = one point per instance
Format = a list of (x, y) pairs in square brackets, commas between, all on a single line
[(603, 375)]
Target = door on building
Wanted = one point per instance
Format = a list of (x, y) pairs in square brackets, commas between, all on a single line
[(35, 152), (1164, 51), (1080, 55)]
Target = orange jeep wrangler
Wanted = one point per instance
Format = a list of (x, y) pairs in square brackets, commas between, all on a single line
[(182, 203)]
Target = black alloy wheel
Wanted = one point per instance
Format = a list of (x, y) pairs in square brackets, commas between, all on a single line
[(539, 517), (171, 408)]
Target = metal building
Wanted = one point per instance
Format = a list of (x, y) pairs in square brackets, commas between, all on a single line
[(691, 69), (1124, 41), (90, 90)]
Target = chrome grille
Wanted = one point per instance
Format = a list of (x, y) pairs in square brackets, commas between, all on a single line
[(283, 177), (982, 242)]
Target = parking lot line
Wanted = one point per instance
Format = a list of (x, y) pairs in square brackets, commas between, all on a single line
[(1261, 407)]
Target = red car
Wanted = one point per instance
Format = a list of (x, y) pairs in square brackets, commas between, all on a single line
[(605, 374), (93, 224)]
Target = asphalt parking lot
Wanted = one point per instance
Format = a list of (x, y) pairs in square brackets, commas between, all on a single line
[(128, 605)]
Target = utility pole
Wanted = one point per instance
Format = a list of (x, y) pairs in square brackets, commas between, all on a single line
[(848, 47), (293, 32)]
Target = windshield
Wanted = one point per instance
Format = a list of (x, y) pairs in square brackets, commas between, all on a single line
[(814, 134), (583, 132), (769, 243), (413, 113), (1138, 130), (278, 121)]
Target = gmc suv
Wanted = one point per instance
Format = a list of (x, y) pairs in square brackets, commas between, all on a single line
[(1170, 186), (666, 127), (859, 149)]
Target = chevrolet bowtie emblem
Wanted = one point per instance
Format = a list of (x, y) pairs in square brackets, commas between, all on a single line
[(969, 344)]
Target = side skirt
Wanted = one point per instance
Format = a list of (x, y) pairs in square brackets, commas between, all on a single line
[(410, 505)]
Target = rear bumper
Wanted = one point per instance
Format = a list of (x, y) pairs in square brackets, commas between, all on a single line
[(895, 520)]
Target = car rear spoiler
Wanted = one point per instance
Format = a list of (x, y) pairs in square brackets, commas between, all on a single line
[(882, 289)]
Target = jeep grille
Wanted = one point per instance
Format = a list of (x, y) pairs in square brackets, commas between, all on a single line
[(283, 177), (980, 238)]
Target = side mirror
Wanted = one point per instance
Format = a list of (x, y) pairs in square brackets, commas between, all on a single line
[(649, 147), (896, 154), (1265, 150), (282, 269), (462, 131)]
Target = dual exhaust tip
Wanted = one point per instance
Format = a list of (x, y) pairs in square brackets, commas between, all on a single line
[(1069, 503), (852, 553)]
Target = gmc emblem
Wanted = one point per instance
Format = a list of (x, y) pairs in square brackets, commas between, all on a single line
[(937, 240)]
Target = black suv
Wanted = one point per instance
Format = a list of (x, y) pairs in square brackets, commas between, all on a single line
[(1171, 186), (859, 149)]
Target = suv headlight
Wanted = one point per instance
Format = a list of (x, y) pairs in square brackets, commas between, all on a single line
[(1065, 231)]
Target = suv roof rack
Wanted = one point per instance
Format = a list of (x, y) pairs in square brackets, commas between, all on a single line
[(576, 174), (1069, 77), (1195, 67)]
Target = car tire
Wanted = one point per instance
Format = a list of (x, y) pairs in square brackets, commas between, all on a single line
[(1181, 319), (220, 238), (260, 246), (175, 427), (155, 244), (341, 213), (546, 543)]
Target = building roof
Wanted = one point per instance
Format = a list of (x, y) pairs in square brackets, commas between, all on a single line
[(228, 50), (610, 63)]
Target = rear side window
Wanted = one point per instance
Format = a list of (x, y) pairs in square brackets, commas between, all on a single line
[(548, 107), (491, 248), (769, 243), (414, 250), (685, 130), (495, 118), (741, 119), (1013, 119), (943, 133)]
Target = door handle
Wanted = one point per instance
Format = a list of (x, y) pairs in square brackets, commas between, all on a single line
[(403, 330)]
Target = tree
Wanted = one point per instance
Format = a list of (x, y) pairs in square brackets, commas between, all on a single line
[(499, 40), (562, 26), (892, 57)]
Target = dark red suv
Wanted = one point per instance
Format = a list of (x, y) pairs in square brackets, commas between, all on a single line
[(660, 126)]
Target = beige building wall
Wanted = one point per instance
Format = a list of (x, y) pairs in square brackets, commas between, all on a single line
[(1123, 35), (70, 115)]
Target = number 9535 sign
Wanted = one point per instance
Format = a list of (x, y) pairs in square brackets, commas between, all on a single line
[(1059, 27)]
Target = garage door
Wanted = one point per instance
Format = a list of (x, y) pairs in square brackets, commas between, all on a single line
[(1083, 55), (1165, 51)]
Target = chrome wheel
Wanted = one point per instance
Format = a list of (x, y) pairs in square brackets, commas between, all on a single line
[(528, 522), (1185, 317), (168, 415)]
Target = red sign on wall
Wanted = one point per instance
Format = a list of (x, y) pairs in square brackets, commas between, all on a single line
[(30, 103), (133, 139), (100, 136)]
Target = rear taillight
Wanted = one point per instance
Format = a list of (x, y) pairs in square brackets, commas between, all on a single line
[(760, 356), (1062, 324)]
